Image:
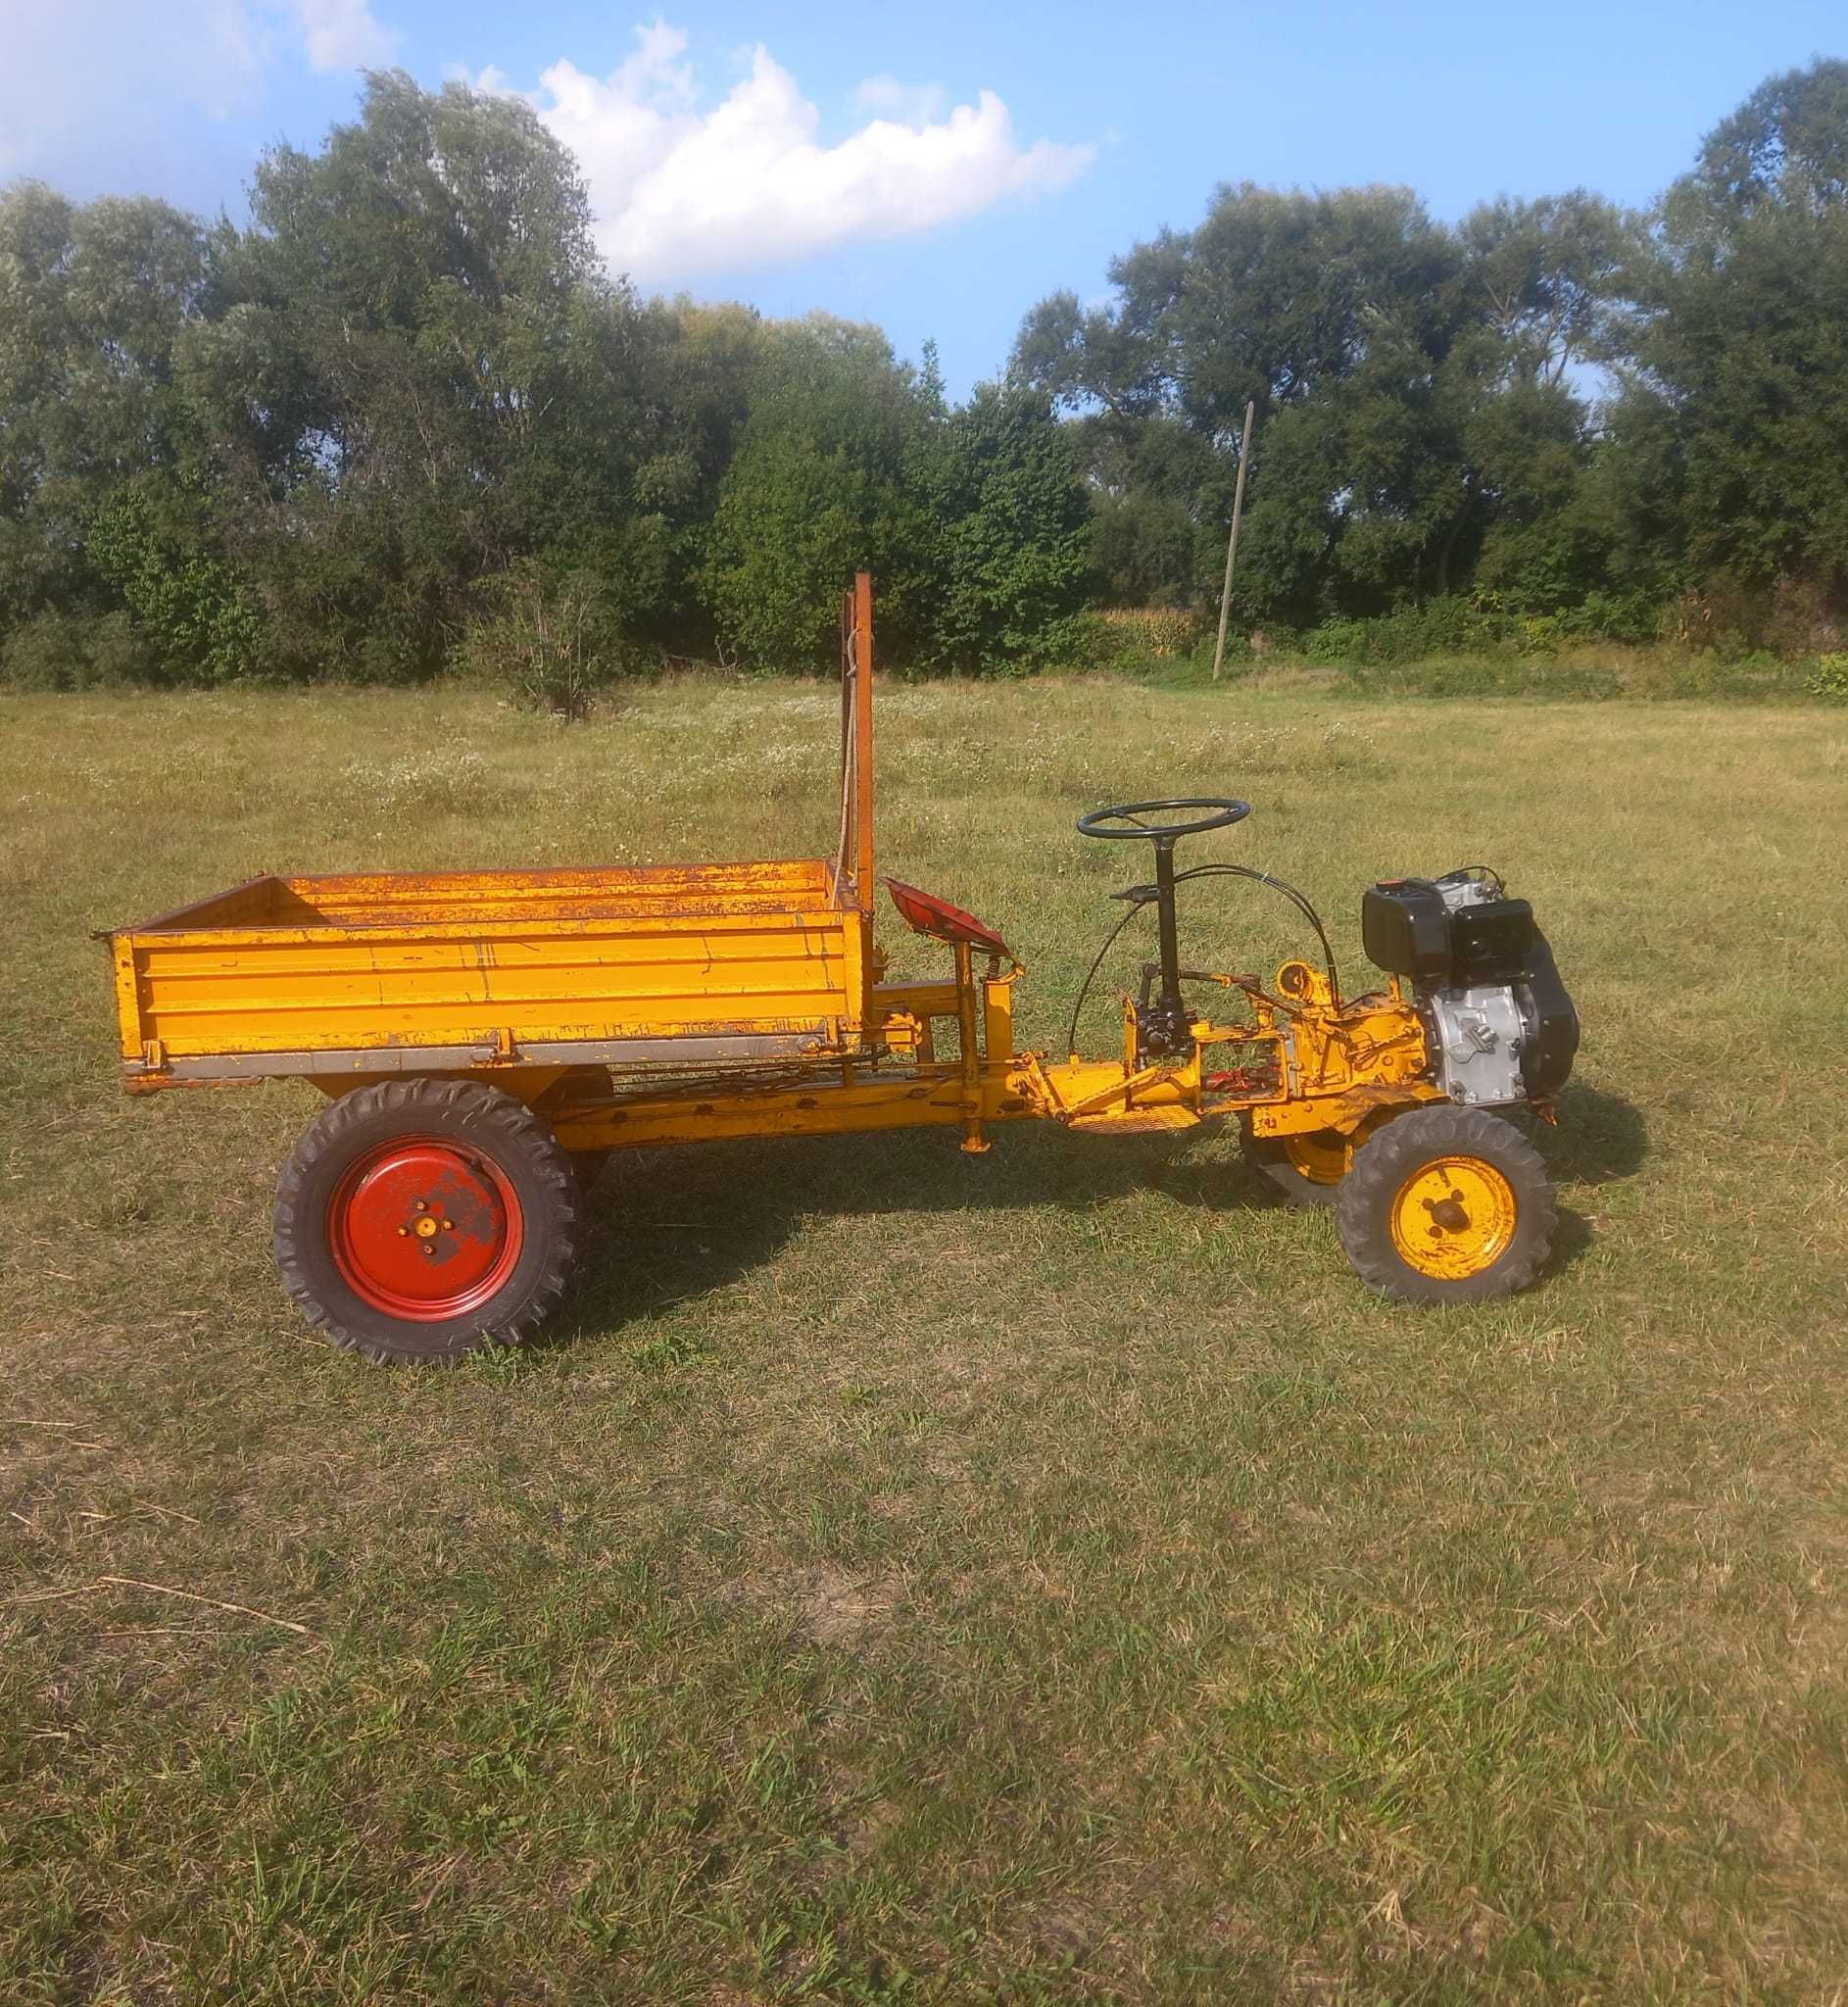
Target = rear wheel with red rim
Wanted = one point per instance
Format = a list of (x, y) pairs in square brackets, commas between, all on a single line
[(425, 1230), (418, 1219)]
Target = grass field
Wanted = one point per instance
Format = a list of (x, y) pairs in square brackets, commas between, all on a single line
[(903, 1578)]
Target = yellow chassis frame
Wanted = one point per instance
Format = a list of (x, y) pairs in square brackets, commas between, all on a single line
[(1326, 1067)]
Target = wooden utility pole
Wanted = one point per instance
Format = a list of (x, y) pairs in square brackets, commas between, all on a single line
[(1232, 542)]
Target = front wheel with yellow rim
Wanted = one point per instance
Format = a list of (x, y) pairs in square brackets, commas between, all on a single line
[(1446, 1206)]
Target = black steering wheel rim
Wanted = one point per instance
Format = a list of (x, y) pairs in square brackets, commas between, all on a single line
[(1225, 812)]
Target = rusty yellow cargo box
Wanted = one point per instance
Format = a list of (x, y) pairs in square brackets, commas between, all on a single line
[(424, 972)]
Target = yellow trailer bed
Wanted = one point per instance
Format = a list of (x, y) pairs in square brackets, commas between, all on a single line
[(702, 968), (706, 966)]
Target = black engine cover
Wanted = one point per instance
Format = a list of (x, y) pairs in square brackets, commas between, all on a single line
[(1552, 1023), (1408, 930)]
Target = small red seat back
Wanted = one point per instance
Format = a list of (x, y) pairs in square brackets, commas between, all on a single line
[(927, 915)]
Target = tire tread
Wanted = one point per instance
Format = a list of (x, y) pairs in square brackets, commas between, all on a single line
[(1384, 1162), (474, 1111)]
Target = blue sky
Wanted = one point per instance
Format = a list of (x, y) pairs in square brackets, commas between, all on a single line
[(936, 170)]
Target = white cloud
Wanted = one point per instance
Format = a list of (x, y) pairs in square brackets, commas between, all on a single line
[(680, 192), (911, 104), (82, 85), (344, 35)]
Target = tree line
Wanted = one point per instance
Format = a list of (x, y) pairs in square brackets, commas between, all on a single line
[(404, 419)]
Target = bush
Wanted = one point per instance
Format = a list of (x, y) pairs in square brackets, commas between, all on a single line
[(75, 652), (1338, 641), (1830, 677), (1163, 634), (551, 640), (1445, 626), (197, 616), (1633, 618), (1481, 626), (1124, 641)]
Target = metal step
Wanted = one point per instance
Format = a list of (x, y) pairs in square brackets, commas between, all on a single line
[(1137, 1121)]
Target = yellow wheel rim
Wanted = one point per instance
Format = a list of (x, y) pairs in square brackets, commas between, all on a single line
[(1324, 1158), (1453, 1217)]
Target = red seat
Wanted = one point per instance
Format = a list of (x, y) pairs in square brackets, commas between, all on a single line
[(927, 915)]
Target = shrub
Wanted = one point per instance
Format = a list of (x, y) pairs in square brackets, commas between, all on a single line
[(1830, 677), (1445, 626), (1631, 618), (198, 619), (1338, 641), (1124, 640), (1481, 626), (75, 652), (1163, 633), (549, 639)]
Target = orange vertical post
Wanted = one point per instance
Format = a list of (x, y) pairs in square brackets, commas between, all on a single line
[(864, 736)]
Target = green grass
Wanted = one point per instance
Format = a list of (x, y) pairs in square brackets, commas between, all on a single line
[(903, 1578)]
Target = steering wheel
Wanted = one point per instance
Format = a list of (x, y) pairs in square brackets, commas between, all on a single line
[(1097, 822)]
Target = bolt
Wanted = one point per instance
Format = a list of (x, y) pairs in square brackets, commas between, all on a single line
[(402, 1232), (449, 1225)]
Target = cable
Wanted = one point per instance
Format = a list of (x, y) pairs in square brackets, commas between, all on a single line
[(1291, 892), (1084, 990)]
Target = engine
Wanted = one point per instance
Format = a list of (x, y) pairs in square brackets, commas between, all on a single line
[(1499, 1023)]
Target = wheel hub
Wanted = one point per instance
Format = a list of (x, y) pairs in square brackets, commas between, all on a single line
[(424, 1230), (1453, 1217)]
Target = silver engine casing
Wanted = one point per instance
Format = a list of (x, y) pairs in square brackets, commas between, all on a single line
[(1478, 1032)]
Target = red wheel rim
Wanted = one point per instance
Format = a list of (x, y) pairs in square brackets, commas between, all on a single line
[(424, 1230)]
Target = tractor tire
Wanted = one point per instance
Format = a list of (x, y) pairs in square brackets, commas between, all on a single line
[(1302, 1168), (419, 1219), (1446, 1206)]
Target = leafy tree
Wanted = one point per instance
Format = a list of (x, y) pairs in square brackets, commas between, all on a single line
[(94, 303), (1413, 388), (1330, 313), (828, 476), (422, 302), (406, 405), (1158, 496), (1550, 279), (200, 622), (1011, 523), (1544, 292), (1737, 408)]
